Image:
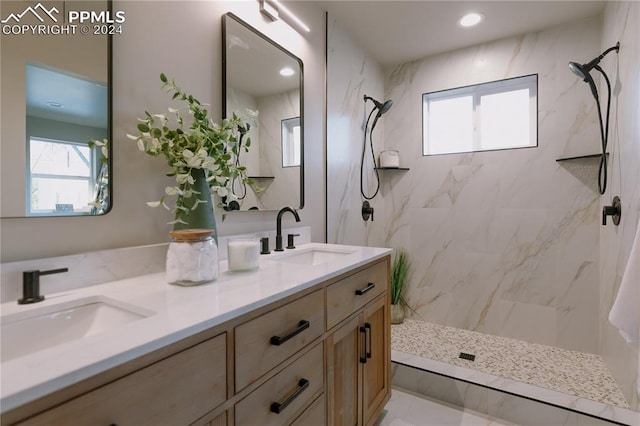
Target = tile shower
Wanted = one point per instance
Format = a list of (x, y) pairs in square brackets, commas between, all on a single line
[(506, 243)]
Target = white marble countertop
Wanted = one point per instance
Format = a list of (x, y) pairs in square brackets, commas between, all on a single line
[(178, 312)]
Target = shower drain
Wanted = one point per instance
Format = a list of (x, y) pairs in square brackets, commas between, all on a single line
[(469, 357)]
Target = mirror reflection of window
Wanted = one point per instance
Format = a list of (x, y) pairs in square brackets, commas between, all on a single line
[(291, 142), (64, 112), (60, 177)]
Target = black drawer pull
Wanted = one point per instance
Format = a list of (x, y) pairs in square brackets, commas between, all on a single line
[(367, 349), (277, 407), (363, 358), (366, 289), (278, 340)]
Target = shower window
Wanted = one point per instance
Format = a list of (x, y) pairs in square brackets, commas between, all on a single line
[(484, 117), (291, 142)]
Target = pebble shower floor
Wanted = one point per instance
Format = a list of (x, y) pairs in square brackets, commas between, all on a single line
[(575, 373)]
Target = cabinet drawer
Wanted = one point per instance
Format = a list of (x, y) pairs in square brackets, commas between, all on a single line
[(314, 415), (353, 292), (266, 341), (286, 388), (176, 390)]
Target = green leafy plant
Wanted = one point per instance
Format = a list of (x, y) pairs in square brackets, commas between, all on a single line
[(399, 275), (204, 144), (104, 148)]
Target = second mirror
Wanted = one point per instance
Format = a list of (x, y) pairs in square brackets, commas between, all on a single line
[(262, 76)]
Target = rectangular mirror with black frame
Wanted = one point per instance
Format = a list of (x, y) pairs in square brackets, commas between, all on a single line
[(56, 102), (260, 75)]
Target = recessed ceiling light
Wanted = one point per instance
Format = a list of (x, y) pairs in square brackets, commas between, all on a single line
[(471, 19), (287, 72), (55, 104)]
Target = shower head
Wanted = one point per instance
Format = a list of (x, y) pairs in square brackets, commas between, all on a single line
[(583, 70), (380, 106), (577, 69), (386, 106)]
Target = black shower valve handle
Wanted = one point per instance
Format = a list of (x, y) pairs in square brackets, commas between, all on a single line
[(367, 211), (614, 210)]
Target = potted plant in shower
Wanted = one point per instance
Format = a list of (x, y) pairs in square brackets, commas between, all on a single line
[(202, 157), (399, 275)]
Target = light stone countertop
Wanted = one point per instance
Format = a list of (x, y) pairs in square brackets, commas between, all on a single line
[(178, 312)]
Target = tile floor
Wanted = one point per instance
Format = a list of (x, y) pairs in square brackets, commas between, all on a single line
[(406, 409)]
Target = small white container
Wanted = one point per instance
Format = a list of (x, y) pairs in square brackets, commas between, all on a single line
[(389, 159), (243, 254), (192, 257)]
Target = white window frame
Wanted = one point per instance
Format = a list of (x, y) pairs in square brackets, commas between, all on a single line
[(91, 179), (529, 82)]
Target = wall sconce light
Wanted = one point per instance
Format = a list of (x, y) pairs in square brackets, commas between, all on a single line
[(269, 9), (272, 9)]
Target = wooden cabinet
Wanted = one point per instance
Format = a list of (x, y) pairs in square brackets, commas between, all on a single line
[(359, 353), (177, 390), (344, 372), (376, 376), (352, 293), (318, 357), (314, 415), (286, 395), (266, 341)]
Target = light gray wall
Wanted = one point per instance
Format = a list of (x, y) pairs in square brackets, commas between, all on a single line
[(183, 40)]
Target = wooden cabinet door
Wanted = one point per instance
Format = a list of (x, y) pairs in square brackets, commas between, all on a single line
[(377, 374), (344, 349)]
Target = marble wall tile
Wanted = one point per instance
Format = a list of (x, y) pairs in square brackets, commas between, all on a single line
[(514, 214), (486, 230), (352, 74), (621, 23), (525, 412)]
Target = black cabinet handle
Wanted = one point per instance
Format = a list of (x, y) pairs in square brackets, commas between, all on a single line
[(367, 349), (278, 407), (369, 286), (363, 358), (278, 340)]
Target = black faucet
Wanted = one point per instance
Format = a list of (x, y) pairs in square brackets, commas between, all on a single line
[(31, 285), (279, 225)]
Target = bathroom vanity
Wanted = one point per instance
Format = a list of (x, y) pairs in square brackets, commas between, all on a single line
[(304, 340)]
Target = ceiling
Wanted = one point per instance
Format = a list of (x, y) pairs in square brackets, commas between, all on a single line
[(395, 32), (61, 96)]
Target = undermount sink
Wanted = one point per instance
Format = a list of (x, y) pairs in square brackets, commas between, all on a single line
[(312, 256), (42, 328)]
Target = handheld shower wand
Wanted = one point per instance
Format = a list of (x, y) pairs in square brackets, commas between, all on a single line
[(242, 131), (381, 107), (583, 71)]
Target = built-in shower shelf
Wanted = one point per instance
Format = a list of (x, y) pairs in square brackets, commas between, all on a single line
[(584, 168), (582, 157), (400, 169)]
